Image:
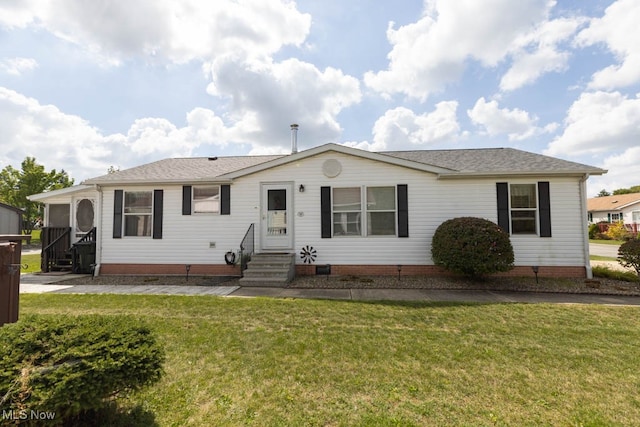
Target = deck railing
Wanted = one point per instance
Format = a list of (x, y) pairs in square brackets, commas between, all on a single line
[(56, 242), (247, 247)]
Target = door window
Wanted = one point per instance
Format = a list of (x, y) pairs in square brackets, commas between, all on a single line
[(277, 212)]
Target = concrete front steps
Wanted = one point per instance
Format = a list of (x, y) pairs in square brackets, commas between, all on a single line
[(276, 269)]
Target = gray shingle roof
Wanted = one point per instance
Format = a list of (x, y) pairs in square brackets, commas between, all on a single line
[(493, 160), (181, 170), (498, 161)]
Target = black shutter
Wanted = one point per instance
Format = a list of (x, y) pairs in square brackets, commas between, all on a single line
[(158, 196), (544, 201), (502, 188), (225, 200), (325, 212), (117, 213), (403, 211), (186, 200)]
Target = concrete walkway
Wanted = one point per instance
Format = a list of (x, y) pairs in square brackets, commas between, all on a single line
[(39, 283)]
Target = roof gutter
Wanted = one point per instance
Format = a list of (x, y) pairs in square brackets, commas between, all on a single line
[(160, 182), (98, 260), (523, 174), (585, 225)]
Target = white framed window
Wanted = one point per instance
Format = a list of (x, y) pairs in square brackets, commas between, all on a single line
[(206, 199), (369, 211), (138, 213), (523, 208), (347, 211), (635, 217), (381, 211), (615, 217)]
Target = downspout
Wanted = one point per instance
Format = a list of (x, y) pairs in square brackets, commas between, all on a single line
[(585, 225), (99, 222)]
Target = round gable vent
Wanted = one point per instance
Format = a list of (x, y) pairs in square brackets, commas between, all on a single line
[(331, 168)]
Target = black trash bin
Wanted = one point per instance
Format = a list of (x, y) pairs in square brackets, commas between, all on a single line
[(85, 257)]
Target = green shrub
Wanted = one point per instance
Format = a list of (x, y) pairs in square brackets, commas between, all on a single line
[(617, 231), (472, 246), (629, 254), (73, 365)]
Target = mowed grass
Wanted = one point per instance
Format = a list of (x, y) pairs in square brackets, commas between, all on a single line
[(30, 263), (287, 362)]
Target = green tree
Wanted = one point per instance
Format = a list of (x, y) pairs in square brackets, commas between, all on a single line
[(16, 185), (630, 190), (603, 193)]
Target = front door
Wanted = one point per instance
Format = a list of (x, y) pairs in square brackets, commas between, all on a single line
[(277, 221)]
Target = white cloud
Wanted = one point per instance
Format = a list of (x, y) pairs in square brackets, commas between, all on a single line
[(431, 53), (165, 30), (516, 123), (622, 172), (16, 66), (618, 30), (266, 97), (63, 141), (599, 122), (401, 128), (537, 53)]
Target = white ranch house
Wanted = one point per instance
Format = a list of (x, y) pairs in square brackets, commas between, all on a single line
[(328, 209), (611, 209)]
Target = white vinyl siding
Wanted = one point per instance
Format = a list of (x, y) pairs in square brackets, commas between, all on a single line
[(189, 239)]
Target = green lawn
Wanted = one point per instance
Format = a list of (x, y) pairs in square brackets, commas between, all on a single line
[(607, 242), (32, 263), (287, 362)]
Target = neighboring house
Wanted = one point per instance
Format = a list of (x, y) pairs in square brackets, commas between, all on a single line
[(610, 209), (357, 211), (10, 219)]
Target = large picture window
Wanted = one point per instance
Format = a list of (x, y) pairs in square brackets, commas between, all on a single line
[(138, 210), (376, 216), (206, 199), (523, 208)]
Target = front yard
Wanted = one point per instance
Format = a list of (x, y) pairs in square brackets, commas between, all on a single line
[(269, 362)]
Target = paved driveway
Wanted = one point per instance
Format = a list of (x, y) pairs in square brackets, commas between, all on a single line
[(603, 250)]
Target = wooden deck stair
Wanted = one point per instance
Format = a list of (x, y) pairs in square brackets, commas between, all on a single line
[(269, 270)]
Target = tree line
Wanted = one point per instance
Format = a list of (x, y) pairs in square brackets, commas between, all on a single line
[(630, 190)]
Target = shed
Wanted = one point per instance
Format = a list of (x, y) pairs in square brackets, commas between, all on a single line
[(10, 219)]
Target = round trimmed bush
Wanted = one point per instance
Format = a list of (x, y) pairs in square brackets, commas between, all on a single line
[(472, 246), (72, 365), (629, 254)]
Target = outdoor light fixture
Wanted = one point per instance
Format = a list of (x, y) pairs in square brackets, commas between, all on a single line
[(535, 269), (301, 188), (399, 270), (187, 267)]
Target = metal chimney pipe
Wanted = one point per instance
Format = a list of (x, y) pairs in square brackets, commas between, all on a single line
[(294, 138)]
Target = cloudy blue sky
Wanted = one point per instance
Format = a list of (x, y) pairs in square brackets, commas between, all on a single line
[(85, 85)]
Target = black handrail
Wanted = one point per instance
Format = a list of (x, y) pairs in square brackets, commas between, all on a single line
[(247, 247), (89, 237), (52, 250), (50, 245)]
